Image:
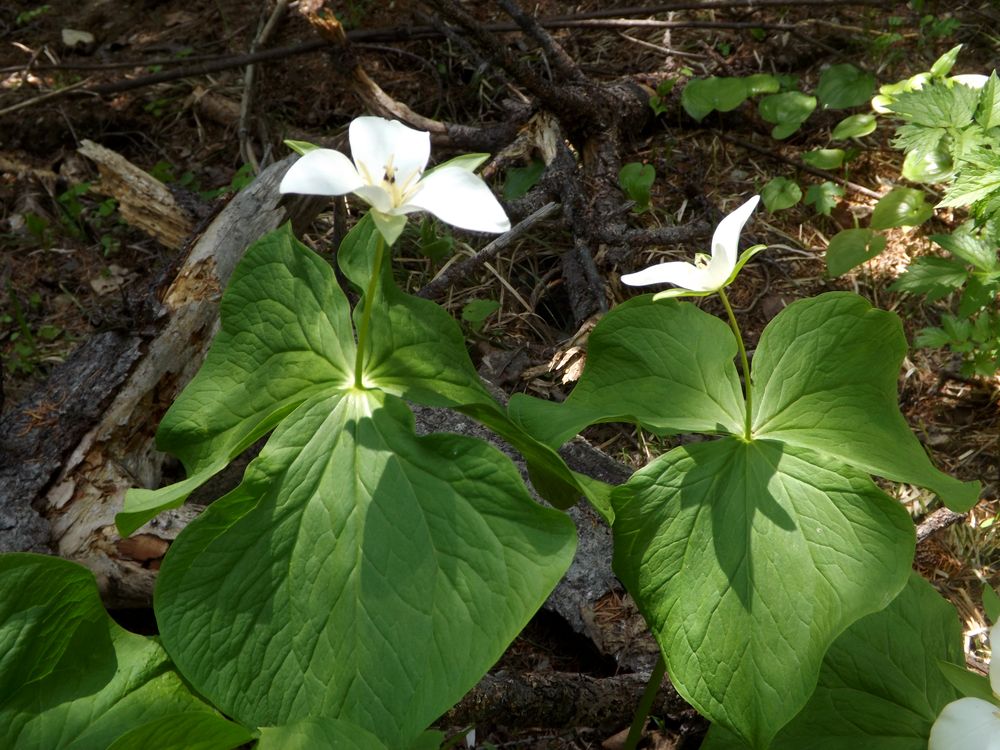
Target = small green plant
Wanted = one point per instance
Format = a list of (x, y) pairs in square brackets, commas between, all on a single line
[(636, 180), (657, 100), (27, 16)]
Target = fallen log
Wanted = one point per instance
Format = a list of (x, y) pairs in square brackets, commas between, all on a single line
[(72, 449)]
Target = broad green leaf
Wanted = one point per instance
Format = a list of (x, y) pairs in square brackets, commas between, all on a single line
[(193, 730), (312, 734), (852, 247), (519, 180), (824, 197), (475, 312), (636, 180), (359, 572), (879, 688), (988, 115), (780, 193), (666, 365), (901, 207), (285, 336), (825, 374), (937, 105), (854, 126), (748, 559), (943, 65), (991, 605), (702, 96), (929, 165), (933, 277), (787, 111), (824, 158), (75, 680), (843, 86), (761, 83)]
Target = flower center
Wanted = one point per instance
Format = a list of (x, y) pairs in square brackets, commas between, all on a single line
[(399, 190), (701, 260)]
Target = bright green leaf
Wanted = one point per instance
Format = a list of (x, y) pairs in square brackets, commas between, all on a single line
[(355, 548), (988, 115), (854, 126), (970, 246), (851, 247), (824, 158), (968, 684), (520, 180), (72, 679), (761, 83), (313, 734), (780, 193), (824, 197), (702, 96), (787, 111), (943, 65), (937, 105), (991, 604), (929, 165), (880, 688), (825, 375), (477, 311), (666, 365), (901, 207), (636, 180), (843, 86), (748, 560), (301, 147)]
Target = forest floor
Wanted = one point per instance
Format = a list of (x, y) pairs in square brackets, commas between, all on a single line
[(71, 265)]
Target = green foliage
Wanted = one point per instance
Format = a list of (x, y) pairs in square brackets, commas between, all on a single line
[(880, 687), (437, 247), (657, 100), (824, 197), (702, 96), (843, 86), (477, 311), (714, 538), (901, 207), (854, 126), (976, 338), (786, 111), (27, 16), (991, 604), (636, 180), (520, 180), (71, 679), (780, 193), (825, 158), (852, 247)]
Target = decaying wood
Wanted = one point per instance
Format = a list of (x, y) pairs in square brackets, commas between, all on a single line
[(71, 452), (143, 201)]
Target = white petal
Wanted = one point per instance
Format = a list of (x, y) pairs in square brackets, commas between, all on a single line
[(377, 143), (322, 171), (375, 196), (972, 80), (683, 274), (967, 724), (726, 239), (460, 198)]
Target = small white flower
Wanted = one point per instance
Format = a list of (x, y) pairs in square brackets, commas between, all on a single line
[(971, 723), (388, 174), (708, 273)]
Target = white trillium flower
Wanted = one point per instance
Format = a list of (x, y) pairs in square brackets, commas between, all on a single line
[(388, 173), (971, 723), (707, 274)]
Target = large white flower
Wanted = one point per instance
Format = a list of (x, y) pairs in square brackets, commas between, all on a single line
[(971, 723), (388, 173), (708, 273)]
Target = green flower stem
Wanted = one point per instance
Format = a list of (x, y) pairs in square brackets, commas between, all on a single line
[(744, 363), (359, 358), (645, 704)]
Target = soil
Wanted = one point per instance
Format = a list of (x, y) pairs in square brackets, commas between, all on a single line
[(70, 266)]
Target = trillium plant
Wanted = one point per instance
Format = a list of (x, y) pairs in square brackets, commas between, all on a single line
[(362, 577)]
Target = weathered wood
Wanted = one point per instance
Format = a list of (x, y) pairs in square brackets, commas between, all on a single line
[(72, 450)]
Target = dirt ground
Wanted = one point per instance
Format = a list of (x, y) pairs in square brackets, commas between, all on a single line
[(71, 265)]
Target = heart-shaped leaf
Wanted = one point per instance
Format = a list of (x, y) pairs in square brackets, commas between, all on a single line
[(901, 207), (787, 111), (854, 126), (842, 86), (359, 572), (780, 193), (824, 158), (824, 197), (702, 96), (850, 248)]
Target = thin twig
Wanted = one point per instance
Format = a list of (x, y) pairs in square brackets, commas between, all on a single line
[(802, 165), (246, 103), (467, 267), (44, 97)]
